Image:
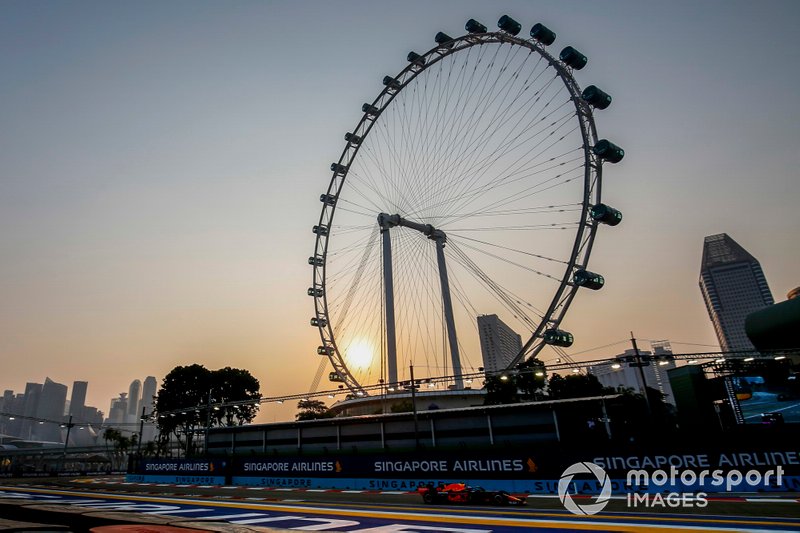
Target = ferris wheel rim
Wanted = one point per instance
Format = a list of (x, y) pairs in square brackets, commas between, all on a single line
[(584, 236)]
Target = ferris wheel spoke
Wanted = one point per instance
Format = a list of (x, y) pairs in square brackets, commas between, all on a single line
[(418, 266), (478, 160), (463, 120), (512, 196), (475, 148), (496, 290), (511, 212), (504, 175), (515, 250), (512, 263)]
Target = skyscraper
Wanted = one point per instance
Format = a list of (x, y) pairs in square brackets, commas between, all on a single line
[(33, 392), (499, 343), (733, 286), (118, 410), (50, 408), (148, 394), (78, 399), (8, 399), (134, 395)]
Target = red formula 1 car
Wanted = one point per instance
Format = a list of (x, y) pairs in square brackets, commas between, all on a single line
[(463, 493)]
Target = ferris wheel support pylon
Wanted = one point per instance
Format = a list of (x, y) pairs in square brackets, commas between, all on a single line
[(388, 287), (386, 222)]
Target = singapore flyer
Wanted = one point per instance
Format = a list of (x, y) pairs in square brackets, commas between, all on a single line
[(471, 185)]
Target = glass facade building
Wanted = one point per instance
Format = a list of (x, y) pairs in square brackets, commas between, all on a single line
[(733, 286)]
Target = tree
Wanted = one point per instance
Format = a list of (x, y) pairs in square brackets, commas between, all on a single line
[(239, 386), (121, 445), (192, 398), (525, 382), (530, 378), (149, 449), (576, 386), (501, 389), (111, 434), (312, 410)]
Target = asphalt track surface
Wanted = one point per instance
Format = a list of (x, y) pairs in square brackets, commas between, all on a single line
[(390, 511)]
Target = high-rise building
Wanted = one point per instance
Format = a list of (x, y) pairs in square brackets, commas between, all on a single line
[(134, 395), (50, 409), (733, 286), (148, 394), (119, 409), (77, 400), (8, 408), (499, 343), (33, 392), (149, 389), (8, 399), (13, 406)]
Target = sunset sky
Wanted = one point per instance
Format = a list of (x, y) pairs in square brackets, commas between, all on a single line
[(161, 164)]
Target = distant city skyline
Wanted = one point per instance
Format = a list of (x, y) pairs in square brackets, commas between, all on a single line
[(48, 400), (41, 412), (163, 163)]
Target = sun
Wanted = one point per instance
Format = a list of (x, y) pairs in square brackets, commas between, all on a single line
[(360, 354)]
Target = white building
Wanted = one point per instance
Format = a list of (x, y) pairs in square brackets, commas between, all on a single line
[(499, 343), (624, 373)]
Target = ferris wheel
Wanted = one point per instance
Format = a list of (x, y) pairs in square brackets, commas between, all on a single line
[(470, 186)]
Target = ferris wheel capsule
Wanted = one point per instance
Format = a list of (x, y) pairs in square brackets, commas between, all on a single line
[(605, 214), (415, 58), (543, 34), (589, 280), (352, 138), (442, 38), (391, 83), (473, 26), (557, 337), (370, 110), (608, 151), (595, 97), (572, 58), (509, 25)]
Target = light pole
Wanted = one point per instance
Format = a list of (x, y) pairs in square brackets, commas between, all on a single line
[(640, 364), (141, 431), (414, 407), (66, 442)]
